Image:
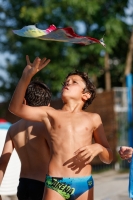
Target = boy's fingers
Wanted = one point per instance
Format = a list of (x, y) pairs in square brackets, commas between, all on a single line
[(43, 60), (90, 159), (45, 63), (36, 63), (28, 60), (79, 150), (83, 154)]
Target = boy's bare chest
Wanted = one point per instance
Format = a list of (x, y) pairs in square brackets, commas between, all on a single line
[(72, 123)]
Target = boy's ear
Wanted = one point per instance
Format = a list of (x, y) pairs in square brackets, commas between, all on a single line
[(86, 96)]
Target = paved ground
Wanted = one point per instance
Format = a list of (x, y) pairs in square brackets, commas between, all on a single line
[(109, 185)]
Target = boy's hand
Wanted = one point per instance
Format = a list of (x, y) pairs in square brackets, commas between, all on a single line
[(32, 68), (126, 153), (87, 153)]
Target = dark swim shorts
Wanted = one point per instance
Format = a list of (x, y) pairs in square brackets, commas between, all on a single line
[(30, 189)]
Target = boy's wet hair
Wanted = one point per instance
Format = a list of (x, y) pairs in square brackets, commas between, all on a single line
[(37, 94), (89, 86)]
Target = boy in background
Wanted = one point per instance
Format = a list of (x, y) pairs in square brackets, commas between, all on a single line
[(32, 144)]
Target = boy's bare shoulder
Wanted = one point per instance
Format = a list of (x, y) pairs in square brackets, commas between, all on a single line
[(14, 126), (94, 115), (95, 118), (48, 109)]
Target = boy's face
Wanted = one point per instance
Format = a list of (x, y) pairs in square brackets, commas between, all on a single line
[(73, 87)]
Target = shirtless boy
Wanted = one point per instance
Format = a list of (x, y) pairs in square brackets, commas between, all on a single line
[(31, 141), (71, 130)]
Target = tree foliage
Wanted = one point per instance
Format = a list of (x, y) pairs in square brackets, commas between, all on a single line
[(95, 18)]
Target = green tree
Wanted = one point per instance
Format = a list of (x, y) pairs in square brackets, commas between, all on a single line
[(93, 18)]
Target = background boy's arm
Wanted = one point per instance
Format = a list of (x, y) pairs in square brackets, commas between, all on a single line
[(0, 197), (101, 146), (16, 105), (5, 156)]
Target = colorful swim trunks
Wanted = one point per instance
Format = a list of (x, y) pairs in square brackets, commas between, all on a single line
[(69, 188)]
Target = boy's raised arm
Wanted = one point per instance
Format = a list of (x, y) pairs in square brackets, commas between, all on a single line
[(16, 105)]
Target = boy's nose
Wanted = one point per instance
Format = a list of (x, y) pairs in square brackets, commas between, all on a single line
[(68, 83)]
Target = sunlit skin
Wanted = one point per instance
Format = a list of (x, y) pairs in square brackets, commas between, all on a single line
[(71, 129), (32, 143)]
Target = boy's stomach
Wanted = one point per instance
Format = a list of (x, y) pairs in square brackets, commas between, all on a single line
[(68, 166)]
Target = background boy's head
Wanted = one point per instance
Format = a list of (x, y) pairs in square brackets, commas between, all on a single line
[(37, 94), (89, 86)]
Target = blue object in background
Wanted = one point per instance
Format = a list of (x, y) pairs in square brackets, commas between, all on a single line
[(131, 179), (5, 125), (129, 84)]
